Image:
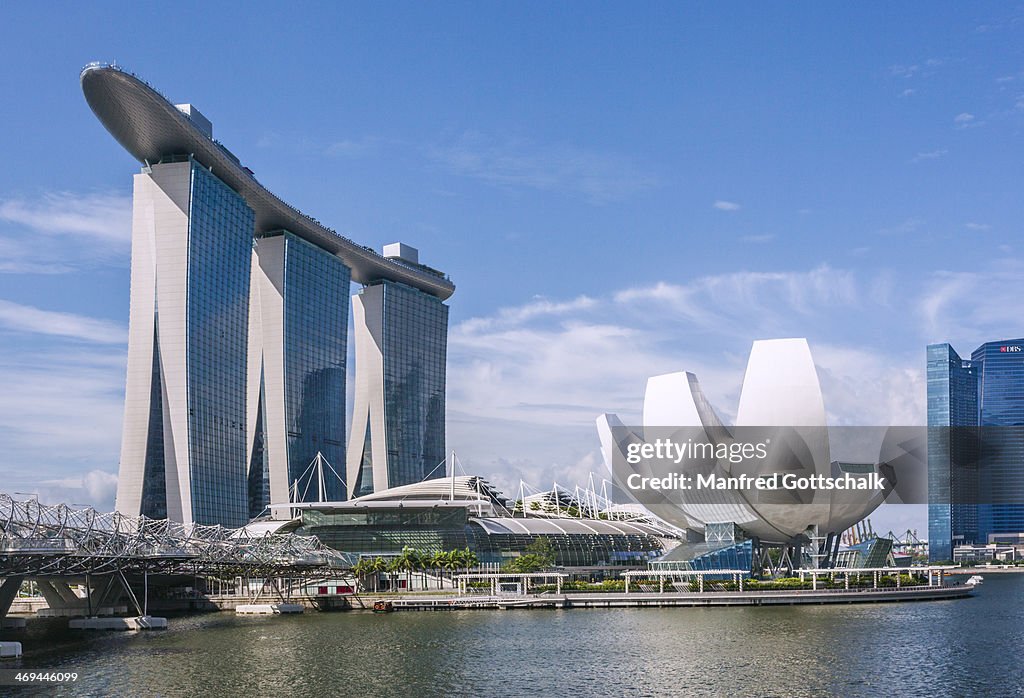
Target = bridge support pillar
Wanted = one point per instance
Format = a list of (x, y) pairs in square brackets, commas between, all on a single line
[(58, 594), (8, 592)]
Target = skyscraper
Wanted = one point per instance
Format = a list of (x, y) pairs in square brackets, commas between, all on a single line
[(1000, 368), (952, 451), (297, 355), (397, 435), (975, 445), (185, 392), (238, 328)]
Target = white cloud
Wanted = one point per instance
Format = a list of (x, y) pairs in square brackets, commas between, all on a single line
[(601, 177), (903, 71), (977, 227), (722, 205), (525, 384), (908, 226), (907, 92), (767, 301), (869, 388), (767, 237), (930, 155), (28, 319), (58, 233), (963, 119), (100, 217), (60, 417), (539, 306), (96, 488), (965, 307)]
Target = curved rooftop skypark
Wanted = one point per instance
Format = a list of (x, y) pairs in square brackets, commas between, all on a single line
[(153, 129), (238, 334)]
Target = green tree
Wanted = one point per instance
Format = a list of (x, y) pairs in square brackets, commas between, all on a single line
[(538, 555), (394, 567), (542, 548), (436, 562), (408, 562), (378, 566), (360, 570)]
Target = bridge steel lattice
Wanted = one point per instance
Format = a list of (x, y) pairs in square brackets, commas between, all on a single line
[(48, 542)]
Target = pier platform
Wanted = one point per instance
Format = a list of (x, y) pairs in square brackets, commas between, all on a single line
[(714, 598), (267, 609), (133, 623)]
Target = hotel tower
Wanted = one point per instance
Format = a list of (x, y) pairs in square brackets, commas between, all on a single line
[(238, 330)]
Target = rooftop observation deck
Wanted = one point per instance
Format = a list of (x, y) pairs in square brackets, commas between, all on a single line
[(151, 128)]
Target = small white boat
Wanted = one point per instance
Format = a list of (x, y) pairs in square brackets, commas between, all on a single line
[(975, 580)]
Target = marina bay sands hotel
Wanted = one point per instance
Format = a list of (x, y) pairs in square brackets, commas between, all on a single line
[(238, 329)]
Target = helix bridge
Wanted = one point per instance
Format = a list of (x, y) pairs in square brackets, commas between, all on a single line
[(37, 540)]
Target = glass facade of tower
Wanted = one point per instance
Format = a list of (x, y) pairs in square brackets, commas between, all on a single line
[(154, 478), (415, 356), (413, 346), (952, 409), (1000, 367), (316, 298), (975, 445), (219, 254)]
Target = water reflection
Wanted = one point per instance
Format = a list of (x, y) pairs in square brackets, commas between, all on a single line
[(951, 647)]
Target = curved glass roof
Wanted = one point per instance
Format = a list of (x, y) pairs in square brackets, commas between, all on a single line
[(544, 526)]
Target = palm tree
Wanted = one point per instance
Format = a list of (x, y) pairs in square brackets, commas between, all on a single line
[(465, 559), (470, 559), (420, 563), (359, 569), (437, 562), (408, 562), (395, 565), (377, 566)]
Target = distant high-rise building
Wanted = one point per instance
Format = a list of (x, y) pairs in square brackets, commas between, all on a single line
[(975, 445), (952, 451), (238, 330), (398, 426), (1000, 368)]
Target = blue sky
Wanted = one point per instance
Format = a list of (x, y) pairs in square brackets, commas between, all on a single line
[(617, 193)]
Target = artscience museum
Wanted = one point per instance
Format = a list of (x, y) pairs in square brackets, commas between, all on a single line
[(777, 478)]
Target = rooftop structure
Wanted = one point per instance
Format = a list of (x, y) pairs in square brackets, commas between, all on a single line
[(151, 128), (467, 512)]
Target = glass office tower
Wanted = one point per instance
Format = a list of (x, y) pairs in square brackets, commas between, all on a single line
[(297, 357), (184, 442), (1000, 369), (398, 416), (975, 445), (952, 456)]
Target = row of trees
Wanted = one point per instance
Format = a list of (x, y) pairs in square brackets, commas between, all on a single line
[(412, 561)]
